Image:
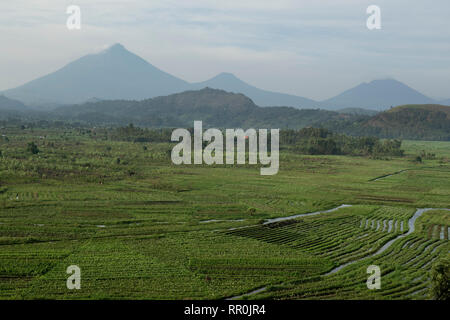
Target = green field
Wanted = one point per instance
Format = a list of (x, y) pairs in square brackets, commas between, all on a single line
[(140, 227)]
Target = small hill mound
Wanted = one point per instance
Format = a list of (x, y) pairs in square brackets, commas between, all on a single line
[(427, 122), (11, 104)]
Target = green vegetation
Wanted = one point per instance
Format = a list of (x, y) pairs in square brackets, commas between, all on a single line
[(110, 201), (313, 141), (405, 267), (441, 280), (32, 148), (221, 109), (419, 122), (322, 141)]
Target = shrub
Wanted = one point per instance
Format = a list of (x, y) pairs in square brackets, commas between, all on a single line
[(33, 148), (440, 280)]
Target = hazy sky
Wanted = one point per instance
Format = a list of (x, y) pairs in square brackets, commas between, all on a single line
[(309, 48)]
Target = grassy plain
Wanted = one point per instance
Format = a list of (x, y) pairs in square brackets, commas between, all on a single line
[(140, 227)]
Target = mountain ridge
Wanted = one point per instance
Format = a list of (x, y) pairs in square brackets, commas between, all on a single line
[(116, 73), (229, 82), (378, 95)]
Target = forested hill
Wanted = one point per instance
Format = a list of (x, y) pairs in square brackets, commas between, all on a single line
[(422, 122), (221, 109), (216, 108)]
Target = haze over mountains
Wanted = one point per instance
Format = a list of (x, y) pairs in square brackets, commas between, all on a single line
[(114, 73), (118, 74), (378, 95), (230, 83)]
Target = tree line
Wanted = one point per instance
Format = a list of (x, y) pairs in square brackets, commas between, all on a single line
[(312, 141)]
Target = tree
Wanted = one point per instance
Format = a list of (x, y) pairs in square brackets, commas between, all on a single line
[(33, 148), (440, 280)]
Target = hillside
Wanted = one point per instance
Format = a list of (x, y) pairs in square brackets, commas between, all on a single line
[(377, 95), (221, 109), (421, 122), (424, 107), (263, 98), (10, 108), (216, 108), (358, 111), (11, 104), (114, 73)]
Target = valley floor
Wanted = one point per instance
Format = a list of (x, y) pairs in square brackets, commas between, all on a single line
[(140, 227)]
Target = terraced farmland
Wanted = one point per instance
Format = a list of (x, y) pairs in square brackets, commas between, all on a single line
[(142, 228), (340, 238), (405, 273)]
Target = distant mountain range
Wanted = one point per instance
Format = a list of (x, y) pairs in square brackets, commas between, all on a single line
[(117, 73)]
